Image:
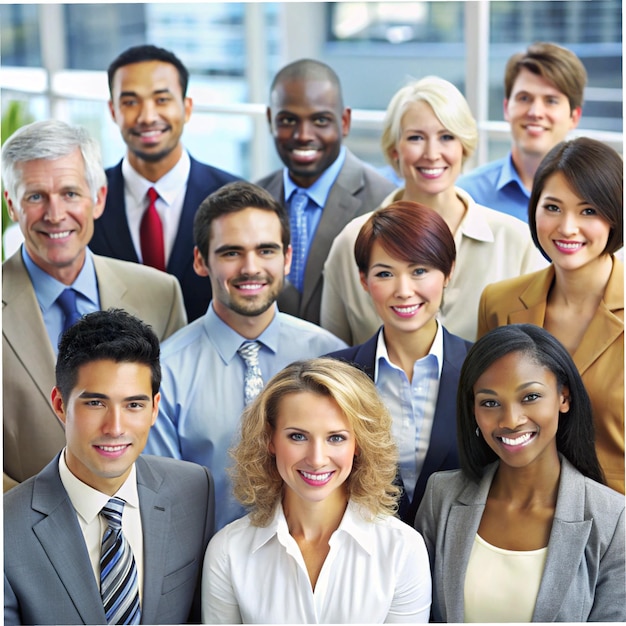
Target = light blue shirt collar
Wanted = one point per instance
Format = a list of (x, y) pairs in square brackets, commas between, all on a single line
[(47, 289), (383, 355), (508, 174), (227, 341), (319, 190)]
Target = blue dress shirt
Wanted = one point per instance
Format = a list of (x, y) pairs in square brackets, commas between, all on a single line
[(47, 290), (497, 185), (412, 404), (202, 392), (317, 194)]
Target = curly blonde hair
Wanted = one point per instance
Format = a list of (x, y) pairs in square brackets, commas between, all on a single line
[(256, 481)]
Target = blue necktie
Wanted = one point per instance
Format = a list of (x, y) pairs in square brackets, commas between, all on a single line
[(299, 238), (253, 380), (119, 587), (67, 302)]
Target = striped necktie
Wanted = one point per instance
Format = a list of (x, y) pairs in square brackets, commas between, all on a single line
[(253, 380), (119, 587)]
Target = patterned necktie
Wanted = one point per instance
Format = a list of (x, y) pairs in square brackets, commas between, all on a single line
[(299, 238), (151, 234), (118, 573), (67, 302), (253, 380)]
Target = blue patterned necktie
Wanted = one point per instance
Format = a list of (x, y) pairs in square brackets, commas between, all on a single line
[(119, 587), (299, 238), (253, 380), (67, 302)]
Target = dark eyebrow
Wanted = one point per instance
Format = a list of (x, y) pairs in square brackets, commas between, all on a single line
[(261, 246), (133, 94), (93, 395)]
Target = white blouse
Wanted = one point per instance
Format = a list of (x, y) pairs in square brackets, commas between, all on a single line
[(502, 585), (375, 572)]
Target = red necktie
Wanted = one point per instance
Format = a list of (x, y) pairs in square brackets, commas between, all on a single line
[(151, 234)]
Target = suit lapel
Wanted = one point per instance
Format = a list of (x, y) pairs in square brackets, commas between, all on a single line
[(443, 434), (607, 324), (61, 538), (568, 539), (113, 224), (182, 252), (21, 312), (534, 299), (463, 521), (112, 290), (341, 207), (155, 522)]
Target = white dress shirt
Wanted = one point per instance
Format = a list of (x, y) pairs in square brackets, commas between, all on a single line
[(171, 188), (88, 503), (375, 572)]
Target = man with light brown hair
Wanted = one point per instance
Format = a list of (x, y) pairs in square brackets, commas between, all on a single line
[(543, 97)]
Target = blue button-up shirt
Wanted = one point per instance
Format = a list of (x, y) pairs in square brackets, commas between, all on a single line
[(497, 185), (411, 404), (48, 289), (318, 194), (202, 390)]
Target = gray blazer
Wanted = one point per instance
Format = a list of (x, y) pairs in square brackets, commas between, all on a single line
[(48, 578), (32, 432), (583, 579), (357, 190)]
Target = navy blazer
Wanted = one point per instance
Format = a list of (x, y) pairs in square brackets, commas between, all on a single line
[(112, 237), (442, 450)]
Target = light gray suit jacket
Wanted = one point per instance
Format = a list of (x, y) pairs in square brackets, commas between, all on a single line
[(32, 432), (48, 578), (583, 579), (357, 190)]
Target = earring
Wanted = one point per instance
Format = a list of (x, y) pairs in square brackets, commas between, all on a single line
[(477, 431)]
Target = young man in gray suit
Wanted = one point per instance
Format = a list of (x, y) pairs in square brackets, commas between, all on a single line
[(62, 553), (323, 185), (55, 188)]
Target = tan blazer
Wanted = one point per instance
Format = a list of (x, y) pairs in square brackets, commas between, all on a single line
[(599, 357), (32, 433)]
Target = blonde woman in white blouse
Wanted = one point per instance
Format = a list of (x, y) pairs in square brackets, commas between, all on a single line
[(316, 464)]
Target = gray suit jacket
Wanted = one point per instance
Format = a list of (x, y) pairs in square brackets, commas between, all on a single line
[(32, 432), (357, 190), (48, 578), (583, 579)]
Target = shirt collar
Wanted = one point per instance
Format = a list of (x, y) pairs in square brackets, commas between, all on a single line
[(86, 500), (47, 288), (168, 186), (319, 190), (383, 355), (227, 341), (354, 523), (474, 224), (508, 174)]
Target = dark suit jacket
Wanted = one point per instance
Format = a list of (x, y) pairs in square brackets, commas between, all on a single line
[(112, 238), (357, 190), (48, 578), (442, 449)]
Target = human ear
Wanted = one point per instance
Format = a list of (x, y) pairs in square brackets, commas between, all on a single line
[(58, 406), (564, 403)]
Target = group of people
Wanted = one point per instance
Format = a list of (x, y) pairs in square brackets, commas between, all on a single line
[(302, 351)]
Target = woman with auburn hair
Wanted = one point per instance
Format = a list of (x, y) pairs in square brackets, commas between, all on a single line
[(428, 134), (315, 464), (405, 253), (524, 531), (575, 216)]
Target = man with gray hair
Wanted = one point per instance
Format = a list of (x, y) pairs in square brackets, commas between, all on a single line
[(55, 187)]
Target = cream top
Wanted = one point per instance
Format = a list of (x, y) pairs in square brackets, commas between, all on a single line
[(502, 585)]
